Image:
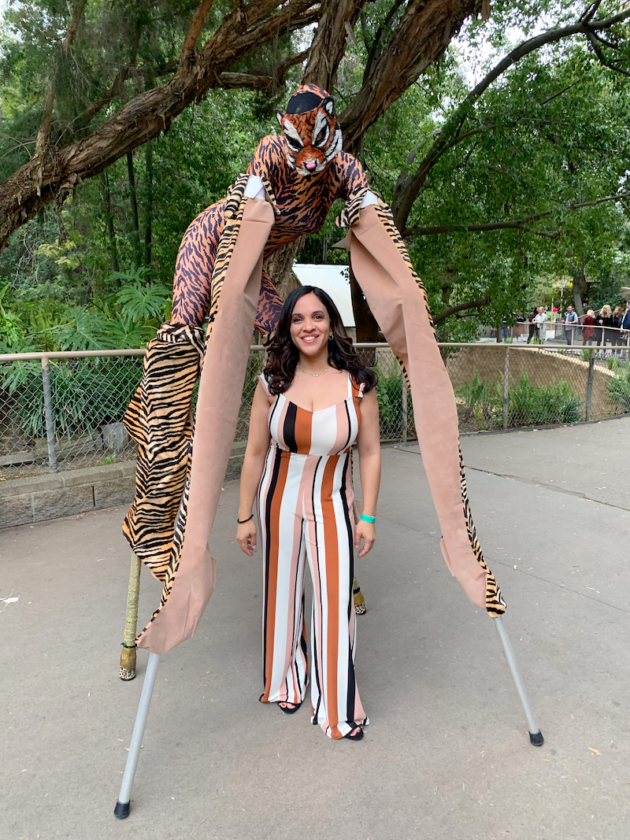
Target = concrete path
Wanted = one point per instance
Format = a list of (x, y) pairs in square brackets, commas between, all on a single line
[(447, 756)]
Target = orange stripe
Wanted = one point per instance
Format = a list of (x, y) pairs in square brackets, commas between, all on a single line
[(303, 430), (331, 545), (274, 547)]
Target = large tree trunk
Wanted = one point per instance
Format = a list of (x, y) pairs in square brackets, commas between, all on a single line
[(133, 201), (148, 205), (109, 220)]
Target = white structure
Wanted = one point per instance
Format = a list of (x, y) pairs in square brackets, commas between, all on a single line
[(333, 279)]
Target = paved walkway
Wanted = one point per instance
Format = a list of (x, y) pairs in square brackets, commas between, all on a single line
[(447, 756)]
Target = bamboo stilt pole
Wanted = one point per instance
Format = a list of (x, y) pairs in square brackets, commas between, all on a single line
[(128, 655)]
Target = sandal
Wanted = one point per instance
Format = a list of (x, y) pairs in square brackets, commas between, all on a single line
[(354, 735), (286, 708)]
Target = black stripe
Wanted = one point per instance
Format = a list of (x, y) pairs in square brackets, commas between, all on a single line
[(288, 430), (321, 611), (272, 487), (293, 660), (346, 514), (349, 428)]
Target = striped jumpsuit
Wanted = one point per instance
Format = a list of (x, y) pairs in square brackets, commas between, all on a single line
[(305, 510)]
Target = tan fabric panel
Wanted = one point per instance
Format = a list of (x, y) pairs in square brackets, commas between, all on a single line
[(399, 304), (218, 405)]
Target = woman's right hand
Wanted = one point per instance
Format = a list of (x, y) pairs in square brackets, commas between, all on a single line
[(246, 537)]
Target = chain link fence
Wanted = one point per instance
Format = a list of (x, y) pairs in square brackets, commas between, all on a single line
[(63, 411)]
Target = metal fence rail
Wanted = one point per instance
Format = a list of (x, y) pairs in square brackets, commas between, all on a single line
[(61, 411)]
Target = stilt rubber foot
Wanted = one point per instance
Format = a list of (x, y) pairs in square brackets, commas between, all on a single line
[(121, 811), (127, 664), (536, 739)]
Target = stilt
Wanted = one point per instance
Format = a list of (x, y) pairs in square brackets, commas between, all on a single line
[(359, 600), (128, 656), (122, 806), (535, 735)]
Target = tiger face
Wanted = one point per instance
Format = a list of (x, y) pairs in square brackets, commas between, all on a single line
[(312, 135)]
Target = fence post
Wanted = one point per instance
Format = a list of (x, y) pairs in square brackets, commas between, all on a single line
[(405, 391), (589, 385), (50, 420), (506, 386)]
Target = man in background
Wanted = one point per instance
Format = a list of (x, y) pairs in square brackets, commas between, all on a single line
[(570, 318)]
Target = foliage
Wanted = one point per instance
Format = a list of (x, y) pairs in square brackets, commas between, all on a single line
[(550, 133), (618, 390), (528, 405), (543, 404), (88, 394)]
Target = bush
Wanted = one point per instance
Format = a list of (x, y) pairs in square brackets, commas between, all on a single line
[(87, 394), (618, 390), (529, 405)]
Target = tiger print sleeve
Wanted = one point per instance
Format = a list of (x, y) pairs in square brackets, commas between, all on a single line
[(352, 177), (270, 162)]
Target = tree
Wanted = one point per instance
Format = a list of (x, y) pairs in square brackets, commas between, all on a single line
[(420, 37)]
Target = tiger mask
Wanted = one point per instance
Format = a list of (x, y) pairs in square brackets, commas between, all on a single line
[(311, 132)]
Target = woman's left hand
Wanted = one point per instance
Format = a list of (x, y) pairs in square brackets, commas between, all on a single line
[(367, 532)]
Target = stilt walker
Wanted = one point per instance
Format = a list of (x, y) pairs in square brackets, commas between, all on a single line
[(288, 190)]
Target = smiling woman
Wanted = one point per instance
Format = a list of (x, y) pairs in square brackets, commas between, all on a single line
[(313, 401)]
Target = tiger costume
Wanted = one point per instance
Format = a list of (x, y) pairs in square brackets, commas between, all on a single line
[(219, 273)]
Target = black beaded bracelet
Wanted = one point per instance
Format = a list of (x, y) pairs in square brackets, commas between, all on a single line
[(243, 521)]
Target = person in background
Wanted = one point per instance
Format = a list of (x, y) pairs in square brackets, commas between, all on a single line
[(588, 332), (570, 319), (541, 320), (519, 332), (617, 319), (625, 325), (606, 321), (533, 326)]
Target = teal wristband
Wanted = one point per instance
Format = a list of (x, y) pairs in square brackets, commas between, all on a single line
[(365, 518)]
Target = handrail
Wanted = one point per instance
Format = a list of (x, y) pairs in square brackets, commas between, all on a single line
[(360, 345)]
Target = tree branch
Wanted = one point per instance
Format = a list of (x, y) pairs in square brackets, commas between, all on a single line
[(43, 135), (594, 41), (329, 43), (512, 224), (192, 36), (460, 307), (420, 38), (45, 177), (409, 188)]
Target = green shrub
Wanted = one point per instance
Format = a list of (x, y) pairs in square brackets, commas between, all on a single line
[(530, 404), (618, 390), (86, 394)]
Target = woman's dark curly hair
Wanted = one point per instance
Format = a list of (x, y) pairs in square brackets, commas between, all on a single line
[(283, 354)]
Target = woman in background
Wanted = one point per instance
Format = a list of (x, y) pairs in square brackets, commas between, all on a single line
[(313, 401)]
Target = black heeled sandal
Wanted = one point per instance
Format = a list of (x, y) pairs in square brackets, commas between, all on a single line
[(286, 710), (355, 736)]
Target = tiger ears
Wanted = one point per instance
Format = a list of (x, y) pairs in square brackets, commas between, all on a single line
[(279, 116), (328, 105)]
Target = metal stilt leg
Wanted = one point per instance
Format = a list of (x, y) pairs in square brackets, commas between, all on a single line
[(122, 806), (535, 735), (128, 656)]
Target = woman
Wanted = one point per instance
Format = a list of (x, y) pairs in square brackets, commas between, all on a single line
[(606, 320), (588, 332), (617, 321), (533, 326), (313, 401)]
